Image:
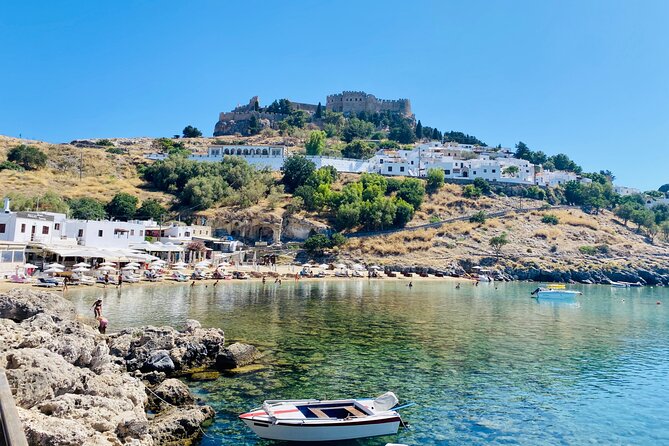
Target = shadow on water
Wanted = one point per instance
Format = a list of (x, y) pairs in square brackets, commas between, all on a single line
[(486, 364)]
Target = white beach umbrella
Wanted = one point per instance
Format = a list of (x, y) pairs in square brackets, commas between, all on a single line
[(358, 267), (129, 268), (155, 267), (81, 269), (56, 265), (324, 266), (53, 270), (29, 265), (82, 265), (107, 264), (134, 264), (106, 268), (375, 267), (181, 264), (179, 267), (340, 266), (307, 265)]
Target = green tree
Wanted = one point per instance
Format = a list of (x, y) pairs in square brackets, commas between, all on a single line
[(86, 209), (316, 143), (191, 132), (664, 228), (347, 216), (282, 106), (378, 214), (403, 213), (403, 134), (203, 192), (550, 219), (479, 217), (471, 191), (511, 171), (412, 191), (357, 129), (482, 185), (254, 125), (358, 150), (664, 188), (151, 210), (317, 244), (498, 242), (435, 180), (436, 135), (563, 162), (28, 157), (296, 170), (122, 207), (523, 152), (642, 218), (419, 130), (319, 111), (625, 211)]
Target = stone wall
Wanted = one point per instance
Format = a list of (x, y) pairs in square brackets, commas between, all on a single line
[(353, 102)]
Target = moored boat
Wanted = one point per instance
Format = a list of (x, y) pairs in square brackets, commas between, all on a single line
[(324, 420), (555, 291)]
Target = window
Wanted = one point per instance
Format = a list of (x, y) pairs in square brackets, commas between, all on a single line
[(3, 227), (390, 168), (132, 232), (56, 226), (412, 163), (141, 232), (401, 168), (381, 162), (45, 230), (80, 233), (100, 233), (6, 256), (493, 171), (23, 227), (474, 172), (485, 170), (19, 257), (447, 171)]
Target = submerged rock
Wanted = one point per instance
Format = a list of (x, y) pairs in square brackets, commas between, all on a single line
[(236, 355), (21, 304), (178, 425), (173, 392)]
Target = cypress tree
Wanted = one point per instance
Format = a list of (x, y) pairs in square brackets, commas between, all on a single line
[(319, 111), (419, 130)]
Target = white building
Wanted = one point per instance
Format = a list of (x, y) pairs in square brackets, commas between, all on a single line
[(27, 226), (104, 233), (260, 156), (180, 234), (622, 190), (651, 202), (550, 178)]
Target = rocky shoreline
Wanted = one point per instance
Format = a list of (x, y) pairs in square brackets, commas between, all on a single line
[(73, 385), (465, 269)]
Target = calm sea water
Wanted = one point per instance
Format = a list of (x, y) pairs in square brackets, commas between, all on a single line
[(486, 364)]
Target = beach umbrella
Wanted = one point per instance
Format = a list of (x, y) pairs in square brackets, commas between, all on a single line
[(179, 267), (56, 265), (107, 264), (154, 267), (29, 265), (307, 265), (129, 268), (107, 268), (376, 267), (82, 265), (81, 269), (340, 265), (181, 264), (53, 270), (133, 264), (358, 267)]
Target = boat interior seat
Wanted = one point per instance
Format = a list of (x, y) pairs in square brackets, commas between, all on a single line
[(319, 413)]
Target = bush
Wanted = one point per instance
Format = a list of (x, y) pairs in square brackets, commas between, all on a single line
[(151, 210), (10, 165), (191, 132), (104, 142), (412, 191), (403, 213), (479, 217), (593, 250), (115, 151), (296, 171), (471, 191), (358, 150), (482, 185), (316, 143), (435, 180), (28, 157), (550, 219), (318, 243)]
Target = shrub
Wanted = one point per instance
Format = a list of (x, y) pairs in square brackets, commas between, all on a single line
[(497, 243), (28, 157), (412, 191), (151, 210), (550, 219), (115, 150), (10, 165), (316, 143), (471, 191), (104, 142), (482, 185), (435, 180), (122, 207), (86, 209), (593, 250), (296, 171), (479, 217), (191, 132), (318, 243)]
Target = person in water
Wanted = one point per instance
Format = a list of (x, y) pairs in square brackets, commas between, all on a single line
[(457, 287), (410, 285), (102, 327), (97, 308)]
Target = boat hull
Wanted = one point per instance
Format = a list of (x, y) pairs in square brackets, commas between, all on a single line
[(327, 431), (557, 294)]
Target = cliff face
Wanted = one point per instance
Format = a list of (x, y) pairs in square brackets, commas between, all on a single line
[(73, 385)]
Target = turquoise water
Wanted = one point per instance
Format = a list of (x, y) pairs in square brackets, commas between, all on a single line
[(486, 364)]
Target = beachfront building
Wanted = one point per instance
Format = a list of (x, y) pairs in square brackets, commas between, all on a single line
[(28, 226), (104, 233), (12, 257), (624, 191)]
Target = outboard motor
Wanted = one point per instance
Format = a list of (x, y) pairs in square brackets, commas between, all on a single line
[(385, 402)]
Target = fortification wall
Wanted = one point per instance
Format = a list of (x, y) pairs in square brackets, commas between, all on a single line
[(353, 102)]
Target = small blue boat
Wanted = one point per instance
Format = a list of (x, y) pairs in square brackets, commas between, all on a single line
[(555, 292)]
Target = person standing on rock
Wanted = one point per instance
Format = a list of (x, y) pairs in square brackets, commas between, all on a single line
[(102, 327), (97, 308)]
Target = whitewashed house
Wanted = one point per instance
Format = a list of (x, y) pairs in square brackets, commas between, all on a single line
[(624, 191), (260, 156), (104, 233), (28, 226)]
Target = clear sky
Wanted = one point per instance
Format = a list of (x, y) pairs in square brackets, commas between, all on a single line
[(588, 78)]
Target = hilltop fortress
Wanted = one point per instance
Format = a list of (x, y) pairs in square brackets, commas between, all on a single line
[(348, 102)]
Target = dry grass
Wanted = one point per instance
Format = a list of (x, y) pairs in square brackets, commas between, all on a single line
[(577, 218), (548, 234)]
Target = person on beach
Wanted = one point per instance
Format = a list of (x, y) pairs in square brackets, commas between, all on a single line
[(65, 280), (102, 327), (97, 308), (106, 279), (120, 280)]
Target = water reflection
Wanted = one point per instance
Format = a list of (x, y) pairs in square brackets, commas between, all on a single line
[(487, 364)]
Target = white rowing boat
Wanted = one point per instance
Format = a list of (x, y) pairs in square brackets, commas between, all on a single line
[(555, 291), (324, 420)]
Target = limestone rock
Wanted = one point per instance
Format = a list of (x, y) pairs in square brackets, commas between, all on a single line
[(173, 392), (37, 375), (176, 426), (20, 304), (236, 355)]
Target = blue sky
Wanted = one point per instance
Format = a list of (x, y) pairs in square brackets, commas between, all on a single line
[(587, 78)]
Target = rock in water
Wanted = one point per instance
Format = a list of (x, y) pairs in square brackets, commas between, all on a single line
[(174, 425), (171, 391), (236, 355), (159, 361)]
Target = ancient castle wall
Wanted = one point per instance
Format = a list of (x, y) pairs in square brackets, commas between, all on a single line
[(353, 102)]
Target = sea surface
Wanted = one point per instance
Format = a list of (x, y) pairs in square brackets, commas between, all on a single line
[(485, 364)]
